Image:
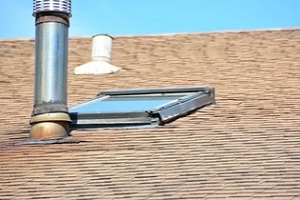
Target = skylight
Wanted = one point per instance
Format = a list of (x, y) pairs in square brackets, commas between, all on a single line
[(138, 107)]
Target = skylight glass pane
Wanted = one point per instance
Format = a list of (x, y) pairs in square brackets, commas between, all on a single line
[(139, 107), (124, 103)]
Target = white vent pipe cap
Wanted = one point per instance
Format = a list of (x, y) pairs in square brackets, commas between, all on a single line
[(101, 57), (102, 47)]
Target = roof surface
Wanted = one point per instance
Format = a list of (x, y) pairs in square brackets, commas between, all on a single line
[(247, 146)]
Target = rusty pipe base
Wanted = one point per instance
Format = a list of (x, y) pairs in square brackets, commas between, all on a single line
[(50, 126)]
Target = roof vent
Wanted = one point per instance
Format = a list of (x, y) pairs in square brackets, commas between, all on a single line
[(63, 6), (101, 57)]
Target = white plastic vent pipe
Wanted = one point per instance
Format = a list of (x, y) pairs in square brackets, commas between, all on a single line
[(101, 57)]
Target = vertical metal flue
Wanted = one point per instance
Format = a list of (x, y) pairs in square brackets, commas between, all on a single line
[(50, 119)]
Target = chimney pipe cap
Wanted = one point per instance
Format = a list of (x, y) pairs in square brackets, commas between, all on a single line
[(63, 6), (103, 34)]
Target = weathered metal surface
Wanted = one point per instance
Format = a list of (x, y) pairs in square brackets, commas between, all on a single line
[(49, 117), (51, 53), (49, 107), (49, 130), (50, 126), (63, 19), (173, 90), (172, 112)]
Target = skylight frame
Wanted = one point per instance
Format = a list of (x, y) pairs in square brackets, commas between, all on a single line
[(192, 98)]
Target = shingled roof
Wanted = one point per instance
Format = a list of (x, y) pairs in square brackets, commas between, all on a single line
[(247, 146)]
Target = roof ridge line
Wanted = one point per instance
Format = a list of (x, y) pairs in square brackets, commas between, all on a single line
[(169, 34)]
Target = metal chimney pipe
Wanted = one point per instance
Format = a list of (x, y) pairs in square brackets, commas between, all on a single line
[(50, 118)]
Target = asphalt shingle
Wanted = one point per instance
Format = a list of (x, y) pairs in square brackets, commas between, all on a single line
[(244, 147)]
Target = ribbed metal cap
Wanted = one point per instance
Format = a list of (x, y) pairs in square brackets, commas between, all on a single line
[(63, 6)]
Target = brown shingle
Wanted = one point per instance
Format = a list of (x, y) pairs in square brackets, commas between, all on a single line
[(246, 146)]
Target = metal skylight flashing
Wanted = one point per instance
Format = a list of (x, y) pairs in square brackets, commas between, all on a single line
[(172, 103), (183, 106)]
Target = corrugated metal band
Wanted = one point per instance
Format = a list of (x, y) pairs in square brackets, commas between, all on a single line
[(52, 5)]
